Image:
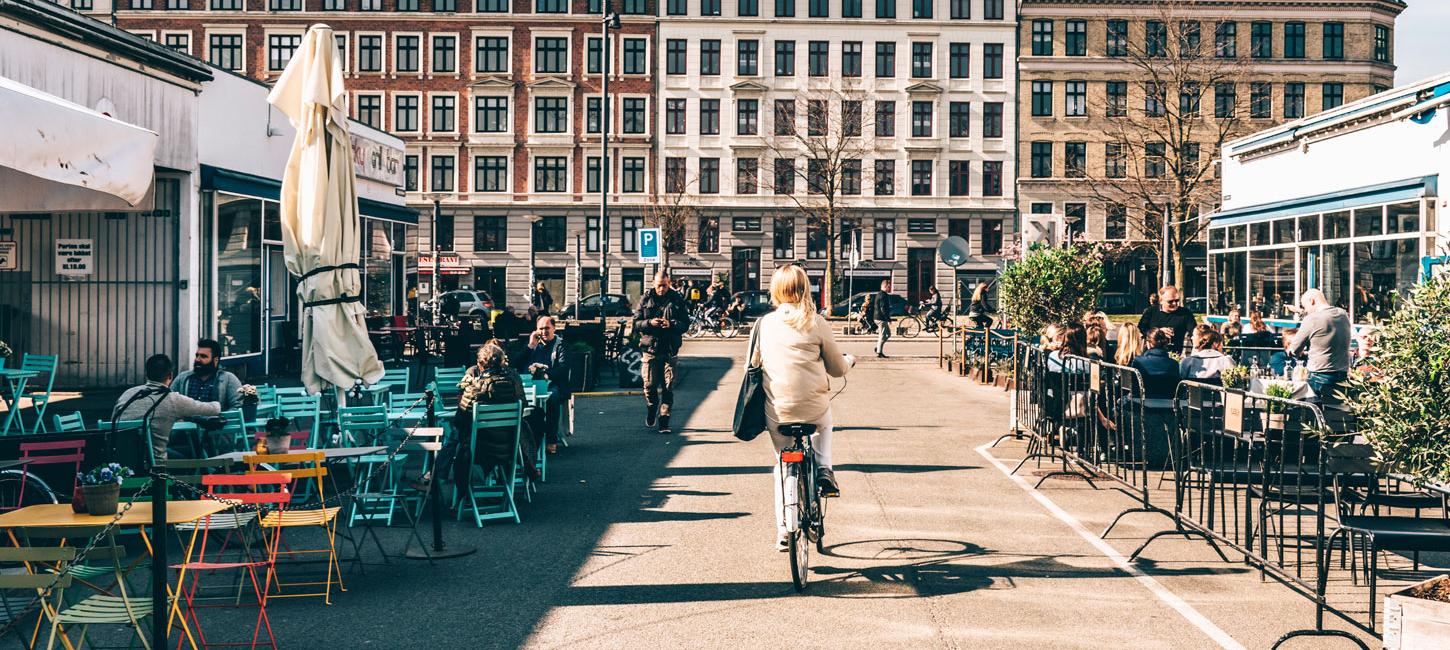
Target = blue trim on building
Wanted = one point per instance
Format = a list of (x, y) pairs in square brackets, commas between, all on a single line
[(1410, 188), (226, 180)]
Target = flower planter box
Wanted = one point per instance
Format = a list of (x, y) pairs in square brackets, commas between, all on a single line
[(1412, 623)]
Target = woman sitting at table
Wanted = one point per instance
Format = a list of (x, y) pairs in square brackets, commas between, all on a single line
[(1208, 359), (490, 381)]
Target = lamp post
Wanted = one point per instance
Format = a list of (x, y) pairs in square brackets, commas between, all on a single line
[(610, 21), (533, 220), (437, 284)]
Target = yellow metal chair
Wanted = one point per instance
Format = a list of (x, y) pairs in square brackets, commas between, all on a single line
[(305, 467)]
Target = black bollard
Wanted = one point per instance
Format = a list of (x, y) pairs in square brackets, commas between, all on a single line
[(160, 611), (435, 507)]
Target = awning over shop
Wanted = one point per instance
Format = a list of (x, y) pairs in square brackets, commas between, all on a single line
[(1410, 188), (226, 180), (60, 156)]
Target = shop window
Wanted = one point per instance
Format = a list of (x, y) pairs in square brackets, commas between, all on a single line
[(1384, 273)]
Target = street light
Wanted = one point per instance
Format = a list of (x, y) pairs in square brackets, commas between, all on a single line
[(610, 21), (533, 220)]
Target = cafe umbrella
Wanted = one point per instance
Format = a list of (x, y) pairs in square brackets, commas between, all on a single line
[(320, 225)]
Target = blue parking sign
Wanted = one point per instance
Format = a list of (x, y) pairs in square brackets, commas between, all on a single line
[(649, 245)]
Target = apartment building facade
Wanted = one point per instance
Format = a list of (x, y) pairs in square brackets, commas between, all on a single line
[(921, 93), (1078, 75)]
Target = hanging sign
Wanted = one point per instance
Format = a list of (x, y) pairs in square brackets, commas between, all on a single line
[(9, 251), (74, 257)]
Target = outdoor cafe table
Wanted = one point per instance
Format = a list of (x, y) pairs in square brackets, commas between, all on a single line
[(329, 454), (1299, 390), (16, 378)]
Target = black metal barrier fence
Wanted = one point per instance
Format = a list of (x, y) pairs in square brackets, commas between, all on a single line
[(1240, 470)]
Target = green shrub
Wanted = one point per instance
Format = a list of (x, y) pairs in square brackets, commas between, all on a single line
[(1052, 285), (1402, 397)]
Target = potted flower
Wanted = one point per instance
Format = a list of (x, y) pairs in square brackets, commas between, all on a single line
[(1276, 412), (1234, 378), (276, 439), (5, 353), (1418, 616), (248, 397), (101, 487)]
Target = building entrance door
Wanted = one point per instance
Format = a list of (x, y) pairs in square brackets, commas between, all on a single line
[(920, 273), (745, 269)]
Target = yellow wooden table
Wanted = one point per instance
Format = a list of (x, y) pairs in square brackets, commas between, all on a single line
[(61, 515)]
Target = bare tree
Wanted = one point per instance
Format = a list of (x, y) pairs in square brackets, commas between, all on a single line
[(671, 212), (1160, 152)]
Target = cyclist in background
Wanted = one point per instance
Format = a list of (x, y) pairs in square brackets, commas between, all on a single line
[(797, 354), (930, 308)]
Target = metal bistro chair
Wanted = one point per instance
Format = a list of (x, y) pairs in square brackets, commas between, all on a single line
[(398, 378), (499, 482), (307, 467), (59, 452), (68, 423), (295, 407), (445, 382), (359, 425), (45, 364)]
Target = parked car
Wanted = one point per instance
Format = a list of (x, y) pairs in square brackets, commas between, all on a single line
[(757, 303), (1118, 303), (464, 302), (899, 305), (614, 305)]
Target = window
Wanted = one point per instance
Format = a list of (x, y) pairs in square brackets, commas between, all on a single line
[(1333, 95), (442, 174), (709, 235), (992, 60), (1075, 159), (1381, 43), (709, 176), (674, 175), (406, 57), (921, 178), (709, 117), (551, 114), (551, 6), (1333, 40), (1041, 38), (370, 110), (1261, 100), (816, 116), (1225, 100), (959, 179), (961, 9), (885, 119), (80, 5), (1075, 216), (675, 116), (960, 228), (633, 115), (1225, 40), (1076, 42), (445, 232), (1042, 160), (1153, 105), (815, 176), (884, 177), (551, 174), (960, 59), (921, 60), (550, 234), (710, 57), (1116, 222), (1190, 97), (402, 5), (851, 177), (819, 8), (747, 174), (591, 235), (817, 56), (594, 55), (490, 174), (1155, 39), (634, 55), (410, 173), (445, 53), (593, 115), (629, 234), (1293, 100), (491, 54), (886, 9), (225, 51), (851, 118), (992, 236), (444, 116), (675, 54), (677, 8), (784, 116), (850, 8), (783, 237), (551, 55), (992, 9), (785, 58), (1190, 35), (632, 7), (785, 8), (959, 119), (747, 8), (1154, 159), (1189, 164), (280, 48), (992, 120), (1076, 98), (992, 178), (1117, 42), (784, 176), (1261, 40), (885, 59), (1293, 40), (747, 117), (295, 5), (492, 6), (1115, 160), (592, 173), (1042, 99), (632, 175), (405, 113), (1117, 94), (921, 119), (851, 59), (883, 240), (747, 63), (490, 234), (921, 9), (182, 43), (342, 50)]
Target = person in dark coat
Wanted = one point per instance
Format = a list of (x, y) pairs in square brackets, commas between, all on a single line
[(1169, 313), (490, 381), (543, 301), (547, 357), (881, 313), (661, 320)]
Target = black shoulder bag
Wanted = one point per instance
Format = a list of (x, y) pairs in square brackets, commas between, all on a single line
[(750, 406)]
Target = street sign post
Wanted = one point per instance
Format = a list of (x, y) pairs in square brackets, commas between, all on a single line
[(649, 245)]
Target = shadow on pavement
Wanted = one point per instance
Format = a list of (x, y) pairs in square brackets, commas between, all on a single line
[(873, 468)]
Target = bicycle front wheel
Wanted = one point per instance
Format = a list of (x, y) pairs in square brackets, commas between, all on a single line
[(909, 327), (728, 329), (800, 547)]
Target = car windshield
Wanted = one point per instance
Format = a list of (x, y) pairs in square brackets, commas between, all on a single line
[(590, 301)]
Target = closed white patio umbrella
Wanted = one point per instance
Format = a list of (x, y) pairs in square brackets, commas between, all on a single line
[(320, 226)]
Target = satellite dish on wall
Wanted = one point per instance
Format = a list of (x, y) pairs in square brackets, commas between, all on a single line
[(953, 251)]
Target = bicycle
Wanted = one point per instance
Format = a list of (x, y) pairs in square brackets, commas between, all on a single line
[(804, 510), (37, 491), (702, 322)]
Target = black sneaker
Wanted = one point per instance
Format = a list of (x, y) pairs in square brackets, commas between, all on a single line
[(826, 482), (650, 414), (665, 425)]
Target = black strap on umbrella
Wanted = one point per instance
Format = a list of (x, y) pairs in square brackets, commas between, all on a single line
[(330, 301)]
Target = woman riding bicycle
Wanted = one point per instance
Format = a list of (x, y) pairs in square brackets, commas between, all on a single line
[(797, 354)]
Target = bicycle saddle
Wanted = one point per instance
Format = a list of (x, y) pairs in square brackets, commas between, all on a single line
[(797, 429)]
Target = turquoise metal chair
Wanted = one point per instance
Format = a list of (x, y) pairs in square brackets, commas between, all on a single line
[(266, 394), (45, 364), (233, 434), (445, 382), (67, 423), (399, 378), (359, 425), (295, 407), (501, 481)]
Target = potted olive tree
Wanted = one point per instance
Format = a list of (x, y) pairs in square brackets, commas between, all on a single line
[(1050, 286), (1401, 400)]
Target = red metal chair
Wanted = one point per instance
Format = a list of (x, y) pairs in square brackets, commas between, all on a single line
[(276, 497), (50, 453)]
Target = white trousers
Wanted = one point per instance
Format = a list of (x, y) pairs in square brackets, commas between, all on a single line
[(820, 442)]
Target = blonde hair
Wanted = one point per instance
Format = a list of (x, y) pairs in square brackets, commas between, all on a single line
[(1130, 343), (790, 290)]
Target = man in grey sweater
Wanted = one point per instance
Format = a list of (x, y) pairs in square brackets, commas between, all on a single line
[(206, 381), (1326, 332), (155, 402)]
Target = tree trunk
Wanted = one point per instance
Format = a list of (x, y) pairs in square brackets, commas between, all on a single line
[(828, 283)]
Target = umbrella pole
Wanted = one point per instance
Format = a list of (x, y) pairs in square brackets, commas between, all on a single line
[(435, 508)]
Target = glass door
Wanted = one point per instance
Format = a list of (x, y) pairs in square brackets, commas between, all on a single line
[(745, 269), (280, 331)]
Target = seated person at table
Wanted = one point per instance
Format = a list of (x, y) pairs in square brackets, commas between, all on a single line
[(490, 381), (547, 361), (1279, 360), (155, 402), (1208, 359), (1160, 372), (206, 381)]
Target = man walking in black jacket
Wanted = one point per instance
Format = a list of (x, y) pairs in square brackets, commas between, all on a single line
[(881, 313), (661, 320)]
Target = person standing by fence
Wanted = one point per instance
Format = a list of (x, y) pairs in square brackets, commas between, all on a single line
[(1326, 332), (1169, 313), (881, 306), (661, 319)]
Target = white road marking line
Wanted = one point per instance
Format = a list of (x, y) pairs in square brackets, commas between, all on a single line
[(1162, 593)]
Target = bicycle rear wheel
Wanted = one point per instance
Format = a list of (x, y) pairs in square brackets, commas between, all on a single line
[(909, 327), (36, 491), (800, 547), (728, 329)]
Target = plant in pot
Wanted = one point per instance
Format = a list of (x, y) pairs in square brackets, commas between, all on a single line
[(1234, 377), (1275, 412), (247, 396), (5, 353), (101, 487), (1051, 285), (276, 439)]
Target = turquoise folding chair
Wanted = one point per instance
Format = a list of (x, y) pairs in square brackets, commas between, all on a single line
[(398, 378), (500, 481), (359, 425), (445, 382), (293, 391), (266, 394), (67, 423), (45, 364), (295, 407), (233, 434)]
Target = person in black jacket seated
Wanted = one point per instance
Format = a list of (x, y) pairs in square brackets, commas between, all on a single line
[(1160, 384), (661, 320), (547, 360), (1169, 313)]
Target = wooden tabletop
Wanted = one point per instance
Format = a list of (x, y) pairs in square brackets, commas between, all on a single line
[(61, 514), (330, 453)]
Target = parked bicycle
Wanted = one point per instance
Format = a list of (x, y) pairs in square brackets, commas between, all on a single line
[(804, 510), (20, 488), (705, 321)]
